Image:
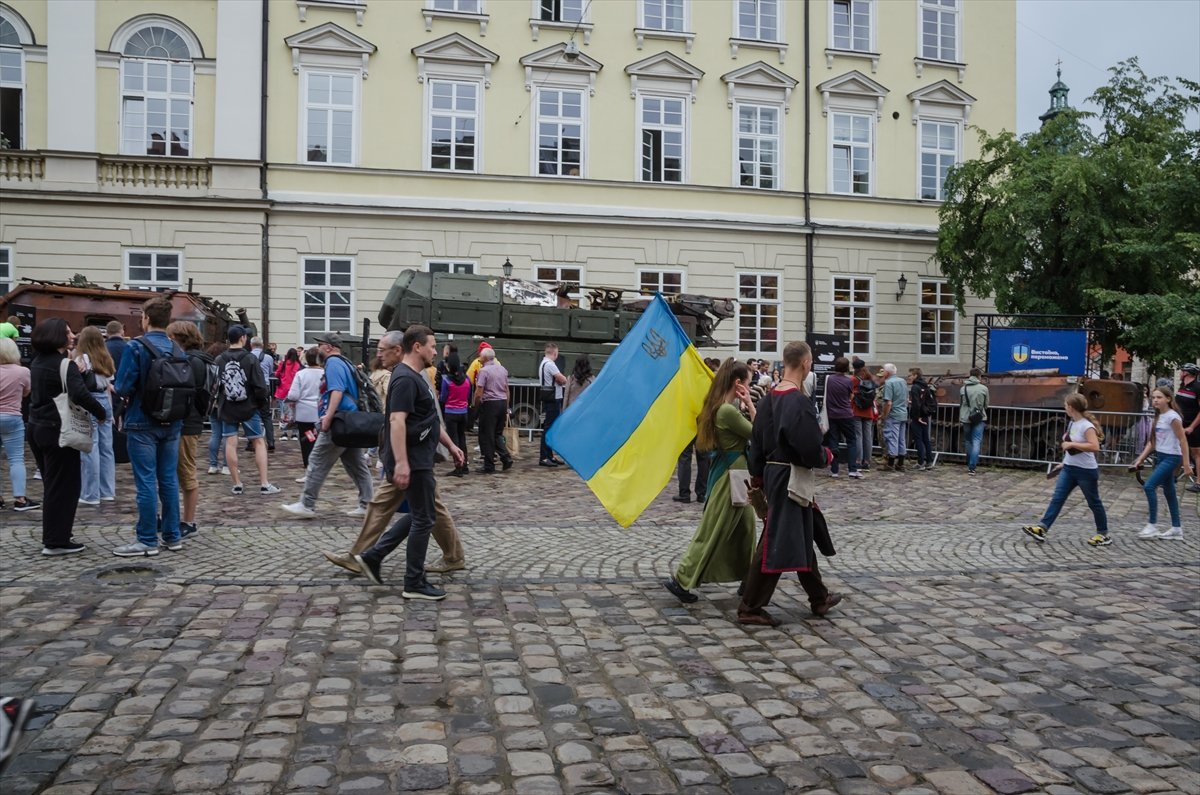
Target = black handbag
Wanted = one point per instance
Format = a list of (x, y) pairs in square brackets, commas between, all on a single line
[(356, 429)]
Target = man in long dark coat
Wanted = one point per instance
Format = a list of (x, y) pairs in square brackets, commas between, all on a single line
[(785, 448)]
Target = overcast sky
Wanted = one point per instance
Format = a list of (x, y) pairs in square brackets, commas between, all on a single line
[(1092, 35)]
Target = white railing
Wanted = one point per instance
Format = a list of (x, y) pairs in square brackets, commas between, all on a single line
[(159, 174), (18, 166)]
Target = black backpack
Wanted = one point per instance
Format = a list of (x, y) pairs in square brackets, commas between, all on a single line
[(210, 390), (168, 392), (367, 398), (927, 404), (864, 396)]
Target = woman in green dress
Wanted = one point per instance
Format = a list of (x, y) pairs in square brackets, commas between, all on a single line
[(721, 549)]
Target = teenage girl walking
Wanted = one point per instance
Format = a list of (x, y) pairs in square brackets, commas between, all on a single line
[(1170, 448), (1080, 444)]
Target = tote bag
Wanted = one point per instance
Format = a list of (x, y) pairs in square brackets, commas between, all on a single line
[(76, 431)]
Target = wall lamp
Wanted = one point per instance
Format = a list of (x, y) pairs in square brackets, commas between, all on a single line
[(902, 283), (507, 266)]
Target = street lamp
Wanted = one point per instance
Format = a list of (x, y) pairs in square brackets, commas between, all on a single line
[(507, 268), (902, 283)]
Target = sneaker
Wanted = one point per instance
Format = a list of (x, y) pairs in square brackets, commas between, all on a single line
[(443, 566), (237, 489), (225, 470), (834, 475), (1194, 487), (545, 462), (26, 505), (299, 509), (424, 591), (268, 488), (1174, 534), (345, 560), (14, 714), (213, 470), (300, 479), (64, 549), (856, 473), (682, 499), (82, 501), (174, 546), (135, 550), (504, 466), (1099, 541), (369, 568), (359, 511), (187, 529), (1036, 532), (679, 592), (971, 472), (108, 499), (1149, 531), (37, 474)]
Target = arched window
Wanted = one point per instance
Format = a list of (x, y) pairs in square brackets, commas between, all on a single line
[(12, 81), (156, 92)]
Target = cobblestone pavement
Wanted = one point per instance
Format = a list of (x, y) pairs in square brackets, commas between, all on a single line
[(966, 659)]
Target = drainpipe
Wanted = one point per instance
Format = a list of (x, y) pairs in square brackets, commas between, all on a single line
[(809, 259), (265, 267)]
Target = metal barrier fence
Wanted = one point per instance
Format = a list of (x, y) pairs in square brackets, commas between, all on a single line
[(1031, 437)]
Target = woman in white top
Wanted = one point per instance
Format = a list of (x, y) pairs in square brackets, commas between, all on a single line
[(304, 393), (98, 469), (1080, 444), (1170, 448)]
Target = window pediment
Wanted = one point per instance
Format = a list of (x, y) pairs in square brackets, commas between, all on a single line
[(329, 45), (549, 65), (945, 99), (760, 80), (664, 70), (853, 90), (458, 53)]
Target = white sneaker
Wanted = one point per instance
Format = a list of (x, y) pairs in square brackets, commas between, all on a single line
[(299, 509), (136, 550), (82, 501), (213, 470), (1174, 534), (301, 479), (224, 470), (1149, 531), (359, 511), (834, 475), (856, 474), (268, 488)]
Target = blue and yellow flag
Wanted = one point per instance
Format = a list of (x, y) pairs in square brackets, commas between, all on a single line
[(625, 432)]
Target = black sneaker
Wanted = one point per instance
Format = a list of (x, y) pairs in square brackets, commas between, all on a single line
[(26, 505), (63, 549), (506, 465), (370, 569), (681, 593), (682, 499), (423, 591), (187, 529)]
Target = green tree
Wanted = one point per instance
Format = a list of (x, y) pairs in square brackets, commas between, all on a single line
[(1070, 221)]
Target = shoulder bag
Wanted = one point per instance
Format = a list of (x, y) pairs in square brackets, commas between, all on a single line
[(823, 417), (976, 416), (76, 423)]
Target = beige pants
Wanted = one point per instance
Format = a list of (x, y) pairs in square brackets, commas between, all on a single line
[(381, 510)]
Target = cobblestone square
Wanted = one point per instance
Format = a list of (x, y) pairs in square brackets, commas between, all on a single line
[(965, 658)]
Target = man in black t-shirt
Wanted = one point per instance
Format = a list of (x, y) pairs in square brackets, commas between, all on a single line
[(408, 450), (1187, 399)]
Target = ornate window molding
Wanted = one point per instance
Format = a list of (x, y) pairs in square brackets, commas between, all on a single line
[(852, 91), (329, 45), (664, 73), (941, 100), (549, 67), (455, 56), (759, 82), (431, 11), (359, 7)]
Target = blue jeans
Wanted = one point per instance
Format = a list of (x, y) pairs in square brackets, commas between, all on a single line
[(895, 436), (154, 455), (99, 467), (1163, 476), (552, 409), (216, 450), (12, 439), (866, 439), (1088, 481), (973, 438)]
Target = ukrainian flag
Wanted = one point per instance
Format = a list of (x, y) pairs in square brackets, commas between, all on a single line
[(625, 432)]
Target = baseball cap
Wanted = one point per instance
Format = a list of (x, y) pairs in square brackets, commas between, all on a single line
[(1193, 369), (482, 345), (881, 374), (1163, 382), (329, 337), (235, 333)]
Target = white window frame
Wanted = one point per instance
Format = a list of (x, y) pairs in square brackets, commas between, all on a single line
[(743, 35), (655, 275), (477, 115), (326, 288), (456, 6), (854, 306), (8, 281), (22, 34), (942, 309), (957, 13), (558, 268), (744, 302), (480, 15), (940, 194), (871, 27), (145, 95), (538, 119), (154, 284), (684, 21), (451, 266), (684, 128), (584, 12), (756, 136), (355, 76), (833, 142)]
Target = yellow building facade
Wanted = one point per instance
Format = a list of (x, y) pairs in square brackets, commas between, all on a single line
[(789, 154)]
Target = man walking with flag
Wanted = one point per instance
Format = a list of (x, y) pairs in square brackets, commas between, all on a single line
[(785, 449)]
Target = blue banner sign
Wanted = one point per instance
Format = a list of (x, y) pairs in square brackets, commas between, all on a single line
[(1016, 349)]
